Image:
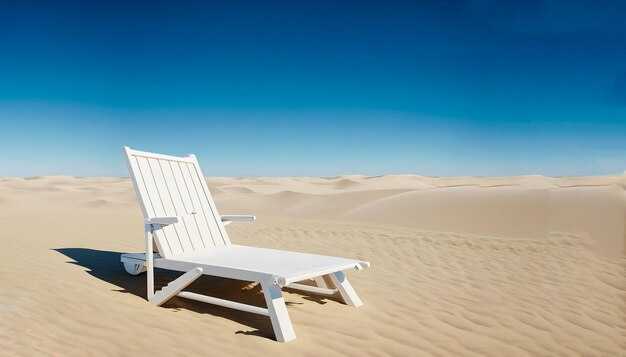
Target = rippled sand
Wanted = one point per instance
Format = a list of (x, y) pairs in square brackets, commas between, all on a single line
[(460, 266)]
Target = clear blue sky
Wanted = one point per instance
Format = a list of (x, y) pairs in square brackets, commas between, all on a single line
[(325, 88)]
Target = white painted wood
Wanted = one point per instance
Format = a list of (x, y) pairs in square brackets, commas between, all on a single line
[(174, 287), (193, 234), (320, 282), (177, 193), (157, 156), (148, 230), (166, 235), (135, 176), (226, 220), (170, 186), (214, 270), (283, 330), (162, 220), (218, 233), (238, 218), (254, 264), (176, 234), (284, 266), (225, 303), (142, 194), (209, 198), (346, 291), (188, 232), (311, 289), (200, 215), (185, 197)]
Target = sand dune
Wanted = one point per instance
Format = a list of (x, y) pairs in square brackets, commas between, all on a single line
[(516, 207), (461, 266)]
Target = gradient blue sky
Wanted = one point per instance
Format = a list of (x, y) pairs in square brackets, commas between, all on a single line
[(319, 88)]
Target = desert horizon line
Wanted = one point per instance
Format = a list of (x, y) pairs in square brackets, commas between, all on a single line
[(328, 177)]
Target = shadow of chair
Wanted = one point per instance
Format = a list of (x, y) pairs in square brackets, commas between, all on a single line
[(106, 266)]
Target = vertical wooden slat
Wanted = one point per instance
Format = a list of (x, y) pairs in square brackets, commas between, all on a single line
[(177, 193), (210, 214), (200, 216), (207, 194), (165, 233), (175, 239), (144, 200), (138, 181), (185, 197), (141, 177)]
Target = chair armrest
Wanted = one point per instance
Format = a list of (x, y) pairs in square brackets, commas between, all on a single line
[(238, 218), (161, 220)]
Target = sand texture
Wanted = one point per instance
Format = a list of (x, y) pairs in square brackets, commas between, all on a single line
[(461, 266)]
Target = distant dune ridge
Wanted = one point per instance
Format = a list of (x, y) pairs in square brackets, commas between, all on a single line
[(527, 265), (518, 207)]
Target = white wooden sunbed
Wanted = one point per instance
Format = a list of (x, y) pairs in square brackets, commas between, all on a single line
[(181, 220)]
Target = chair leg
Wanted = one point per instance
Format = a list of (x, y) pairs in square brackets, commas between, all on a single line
[(174, 287), (278, 312), (346, 291), (148, 230), (320, 282)]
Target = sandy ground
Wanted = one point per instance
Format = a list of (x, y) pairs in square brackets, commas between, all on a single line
[(460, 266)]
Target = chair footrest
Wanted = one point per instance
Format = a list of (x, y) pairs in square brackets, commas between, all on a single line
[(224, 303)]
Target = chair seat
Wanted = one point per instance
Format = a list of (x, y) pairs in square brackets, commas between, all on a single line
[(252, 263)]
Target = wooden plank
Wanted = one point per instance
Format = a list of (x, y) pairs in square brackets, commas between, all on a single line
[(195, 234), (157, 156), (144, 180), (200, 216), (311, 289), (175, 233), (185, 197), (140, 190), (238, 218), (225, 303), (142, 196), (278, 312), (212, 269), (187, 229), (205, 187), (175, 286), (214, 220), (319, 281), (200, 197), (346, 291), (149, 263), (162, 220)]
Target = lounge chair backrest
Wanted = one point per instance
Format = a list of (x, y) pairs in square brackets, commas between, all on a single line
[(169, 186)]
